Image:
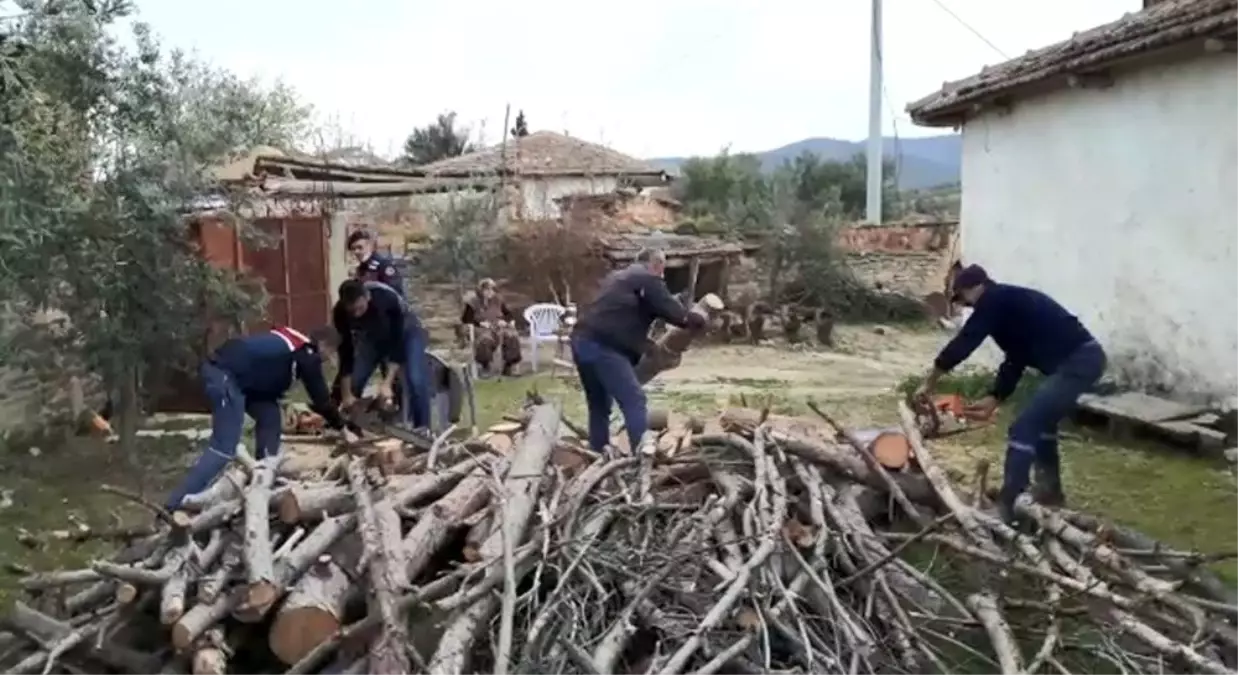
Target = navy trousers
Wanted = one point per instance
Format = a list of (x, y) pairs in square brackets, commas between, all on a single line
[(415, 389), (228, 410), (1032, 438), (608, 377)]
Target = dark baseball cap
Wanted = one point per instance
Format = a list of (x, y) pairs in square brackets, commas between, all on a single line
[(968, 277)]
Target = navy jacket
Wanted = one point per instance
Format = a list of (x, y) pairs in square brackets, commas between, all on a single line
[(1031, 328), (265, 365), (627, 304), (379, 267), (385, 327)]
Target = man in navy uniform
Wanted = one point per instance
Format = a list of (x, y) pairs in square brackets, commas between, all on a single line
[(1034, 331), (611, 337), (249, 375), (372, 265), (376, 326)]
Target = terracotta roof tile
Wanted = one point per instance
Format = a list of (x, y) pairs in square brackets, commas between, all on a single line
[(544, 153), (1159, 26)]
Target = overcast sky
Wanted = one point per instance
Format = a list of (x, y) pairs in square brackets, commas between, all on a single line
[(647, 77)]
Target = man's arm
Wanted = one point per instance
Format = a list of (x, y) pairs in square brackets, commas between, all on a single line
[(469, 316), (657, 297), (394, 311), (1007, 379), (346, 351), (506, 313), (309, 369), (965, 342)]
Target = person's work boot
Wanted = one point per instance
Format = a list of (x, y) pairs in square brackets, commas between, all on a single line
[(1006, 510), (1049, 495), (1047, 484)]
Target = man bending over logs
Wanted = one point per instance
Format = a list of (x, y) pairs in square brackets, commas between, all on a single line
[(1034, 331), (249, 375), (611, 337), (377, 326), (493, 327)]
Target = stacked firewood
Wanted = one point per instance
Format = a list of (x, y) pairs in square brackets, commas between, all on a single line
[(746, 543)]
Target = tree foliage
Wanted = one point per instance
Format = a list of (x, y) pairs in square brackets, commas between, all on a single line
[(439, 140), (794, 213), (521, 128), (105, 154), (465, 227)]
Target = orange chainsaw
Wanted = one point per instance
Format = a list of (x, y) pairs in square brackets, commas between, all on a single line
[(943, 415)]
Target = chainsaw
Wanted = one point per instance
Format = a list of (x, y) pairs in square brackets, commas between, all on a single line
[(372, 417), (943, 416)]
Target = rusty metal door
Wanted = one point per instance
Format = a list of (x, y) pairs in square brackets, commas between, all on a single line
[(293, 269)]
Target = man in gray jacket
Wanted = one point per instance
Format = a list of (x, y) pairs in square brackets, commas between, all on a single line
[(610, 338)]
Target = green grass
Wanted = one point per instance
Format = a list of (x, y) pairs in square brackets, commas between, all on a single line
[(59, 488), (1185, 501)]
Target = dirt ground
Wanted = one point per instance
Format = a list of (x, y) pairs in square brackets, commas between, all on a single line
[(866, 361)]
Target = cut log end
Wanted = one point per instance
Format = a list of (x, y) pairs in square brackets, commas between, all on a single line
[(892, 450), (209, 661), (126, 593), (259, 598), (181, 519), (713, 302), (182, 637), (297, 631), (172, 611), (287, 508)]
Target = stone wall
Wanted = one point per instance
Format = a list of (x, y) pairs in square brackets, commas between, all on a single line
[(908, 258), (914, 273), (903, 258)]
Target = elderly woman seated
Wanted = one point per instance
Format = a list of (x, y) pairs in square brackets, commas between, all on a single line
[(494, 328)]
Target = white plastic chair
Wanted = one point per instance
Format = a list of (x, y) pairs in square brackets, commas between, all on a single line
[(544, 321)]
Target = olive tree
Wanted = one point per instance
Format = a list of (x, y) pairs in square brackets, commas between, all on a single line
[(106, 155)]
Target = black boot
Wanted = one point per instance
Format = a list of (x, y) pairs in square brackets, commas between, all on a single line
[(1047, 485)]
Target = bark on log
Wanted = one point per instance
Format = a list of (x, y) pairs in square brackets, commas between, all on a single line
[(984, 605), (261, 591), (47, 630), (669, 349), (524, 479), (434, 527), (314, 609), (478, 533), (386, 575), (228, 487), (300, 502)]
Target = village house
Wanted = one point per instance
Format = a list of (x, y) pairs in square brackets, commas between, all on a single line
[(1102, 169), (540, 169)]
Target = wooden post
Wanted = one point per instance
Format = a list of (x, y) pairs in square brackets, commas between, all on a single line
[(694, 271)]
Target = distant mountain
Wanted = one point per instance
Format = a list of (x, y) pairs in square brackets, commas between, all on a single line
[(922, 162)]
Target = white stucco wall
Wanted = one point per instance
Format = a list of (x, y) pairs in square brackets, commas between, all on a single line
[(1122, 203), (539, 194)]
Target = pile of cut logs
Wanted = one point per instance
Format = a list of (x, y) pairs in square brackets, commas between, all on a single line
[(746, 543)]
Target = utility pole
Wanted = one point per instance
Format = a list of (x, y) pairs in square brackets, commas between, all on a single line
[(873, 206)]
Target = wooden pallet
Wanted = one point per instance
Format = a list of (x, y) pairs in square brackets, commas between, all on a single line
[(1133, 413)]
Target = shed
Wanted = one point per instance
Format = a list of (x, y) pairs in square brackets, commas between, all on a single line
[(1102, 170), (697, 264)]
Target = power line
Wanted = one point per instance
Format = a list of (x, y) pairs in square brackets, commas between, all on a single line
[(970, 29)]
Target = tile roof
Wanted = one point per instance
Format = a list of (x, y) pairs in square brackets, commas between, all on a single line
[(1159, 26), (544, 153)]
